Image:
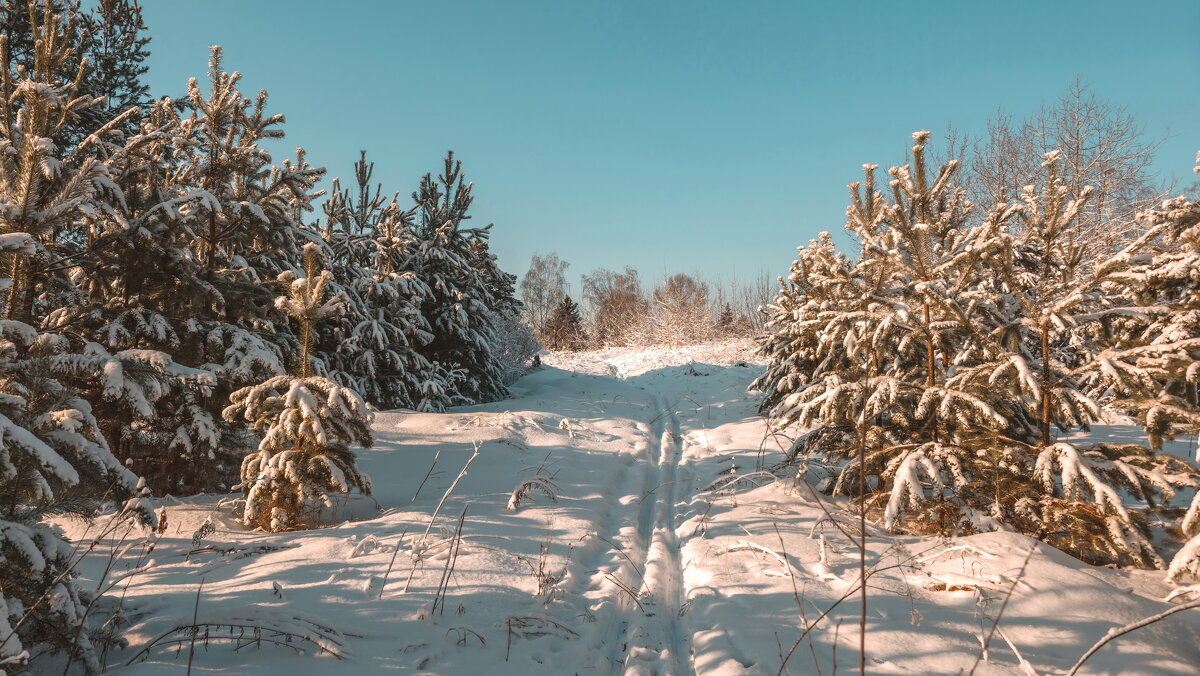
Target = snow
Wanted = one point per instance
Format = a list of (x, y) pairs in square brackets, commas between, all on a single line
[(668, 548), (18, 242), (48, 461), (1077, 477)]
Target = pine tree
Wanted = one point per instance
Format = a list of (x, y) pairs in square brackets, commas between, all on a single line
[(54, 457), (307, 421), (564, 329), (820, 281), (902, 318), (115, 49), (933, 369), (1049, 294), (178, 266), (1049, 358), (1151, 365), (250, 225), (376, 345), (1038, 308), (878, 348), (106, 41), (47, 189), (461, 302), (54, 460), (219, 221)]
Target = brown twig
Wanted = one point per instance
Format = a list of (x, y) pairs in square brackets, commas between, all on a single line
[(1121, 631), (195, 627), (399, 542), (1000, 614), (439, 600)]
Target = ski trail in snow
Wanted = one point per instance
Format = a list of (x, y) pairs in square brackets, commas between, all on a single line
[(633, 566), (658, 641)]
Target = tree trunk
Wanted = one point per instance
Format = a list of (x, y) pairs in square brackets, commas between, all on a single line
[(930, 364), (930, 369), (1045, 426), (210, 259), (305, 342), (14, 291)]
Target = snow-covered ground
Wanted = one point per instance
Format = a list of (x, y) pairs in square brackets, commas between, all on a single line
[(665, 549)]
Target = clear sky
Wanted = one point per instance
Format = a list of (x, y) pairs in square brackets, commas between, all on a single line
[(703, 137)]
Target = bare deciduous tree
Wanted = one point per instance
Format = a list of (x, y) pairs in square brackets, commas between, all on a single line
[(616, 305), (542, 289), (744, 298), (682, 312), (1100, 144)]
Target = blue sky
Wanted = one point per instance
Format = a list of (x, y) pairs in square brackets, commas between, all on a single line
[(702, 137)]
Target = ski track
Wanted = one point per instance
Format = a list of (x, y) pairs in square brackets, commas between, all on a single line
[(658, 641), (646, 635)]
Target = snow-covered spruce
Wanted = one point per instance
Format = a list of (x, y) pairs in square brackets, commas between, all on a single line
[(947, 353), (564, 328), (375, 345), (54, 458), (466, 286), (1162, 269), (307, 422)]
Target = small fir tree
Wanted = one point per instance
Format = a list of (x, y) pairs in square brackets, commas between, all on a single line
[(564, 329), (727, 321), (307, 422)]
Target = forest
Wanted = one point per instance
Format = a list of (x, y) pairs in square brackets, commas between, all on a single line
[(221, 369)]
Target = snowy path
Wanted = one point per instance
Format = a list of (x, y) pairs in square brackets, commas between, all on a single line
[(642, 630), (654, 639), (664, 551)]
